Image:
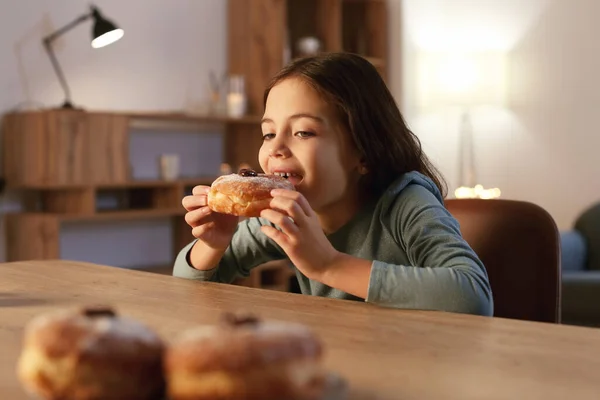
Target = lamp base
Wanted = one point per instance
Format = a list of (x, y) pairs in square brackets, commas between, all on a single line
[(67, 105)]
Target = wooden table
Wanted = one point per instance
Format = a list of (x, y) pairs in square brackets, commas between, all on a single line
[(383, 353)]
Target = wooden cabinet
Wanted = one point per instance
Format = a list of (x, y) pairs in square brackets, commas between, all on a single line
[(65, 148)]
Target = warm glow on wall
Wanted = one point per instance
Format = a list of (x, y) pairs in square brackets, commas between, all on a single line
[(465, 81), (457, 75), (461, 79), (477, 192)]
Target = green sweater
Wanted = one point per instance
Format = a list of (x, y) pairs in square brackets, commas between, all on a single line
[(420, 260)]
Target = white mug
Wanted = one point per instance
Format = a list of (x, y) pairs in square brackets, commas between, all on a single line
[(236, 96), (169, 166), (236, 105)]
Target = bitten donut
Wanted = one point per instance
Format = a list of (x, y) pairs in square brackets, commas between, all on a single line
[(91, 354), (244, 194), (248, 359)]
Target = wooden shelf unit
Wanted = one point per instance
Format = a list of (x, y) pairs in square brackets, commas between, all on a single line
[(63, 161)]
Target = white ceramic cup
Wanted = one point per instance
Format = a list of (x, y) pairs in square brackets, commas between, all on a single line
[(236, 96), (236, 105), (169, 166)]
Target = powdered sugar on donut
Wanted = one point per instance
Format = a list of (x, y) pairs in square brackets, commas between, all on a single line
[(126, 329), (129, 333), (260, 182)]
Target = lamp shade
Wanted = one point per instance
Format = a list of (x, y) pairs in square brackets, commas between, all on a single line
[(462, 79), (104, 32)]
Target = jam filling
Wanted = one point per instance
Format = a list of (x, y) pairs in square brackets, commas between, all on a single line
[(247, 172), (234, 320), (98, 311)]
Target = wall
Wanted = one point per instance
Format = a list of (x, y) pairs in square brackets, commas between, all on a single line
[(543, 148), (162, 64), (166, 53)]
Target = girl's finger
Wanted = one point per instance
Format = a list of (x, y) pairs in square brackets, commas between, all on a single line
[(288, 206), (192, 202), (297, 197), (281, 220), (199, 216), (277, 236), (200, 189), (200, 230)]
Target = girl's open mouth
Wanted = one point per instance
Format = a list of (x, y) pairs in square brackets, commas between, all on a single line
[(294, 178)]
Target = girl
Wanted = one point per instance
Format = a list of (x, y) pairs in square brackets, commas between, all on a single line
[(368, 220)]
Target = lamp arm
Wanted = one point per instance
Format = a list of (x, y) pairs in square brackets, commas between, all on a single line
[(51, 37), (48, 46)]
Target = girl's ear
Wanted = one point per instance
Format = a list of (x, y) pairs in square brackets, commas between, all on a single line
[(362, 168)]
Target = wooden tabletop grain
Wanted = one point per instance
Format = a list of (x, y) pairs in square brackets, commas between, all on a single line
[(382, 353)]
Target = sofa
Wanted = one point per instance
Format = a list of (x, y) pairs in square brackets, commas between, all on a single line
[(580, 259)]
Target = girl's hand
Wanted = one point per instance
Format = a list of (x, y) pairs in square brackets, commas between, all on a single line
[(213, 229), (301, 238)]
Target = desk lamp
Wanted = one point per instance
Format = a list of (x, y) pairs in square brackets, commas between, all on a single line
[(104, 32)]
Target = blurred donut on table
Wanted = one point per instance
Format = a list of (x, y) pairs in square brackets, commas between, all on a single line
[(91, 353), (245, 358)]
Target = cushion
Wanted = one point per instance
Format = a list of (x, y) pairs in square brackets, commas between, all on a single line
[(573, 251)]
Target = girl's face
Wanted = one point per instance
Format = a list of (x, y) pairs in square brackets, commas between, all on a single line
[(304, 140)]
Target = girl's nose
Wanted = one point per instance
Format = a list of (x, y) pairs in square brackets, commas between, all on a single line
[(279, 148)]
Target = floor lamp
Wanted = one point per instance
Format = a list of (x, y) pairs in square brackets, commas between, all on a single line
[(464, 81), (104, 32)]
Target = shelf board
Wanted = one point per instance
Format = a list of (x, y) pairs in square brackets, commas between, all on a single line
[(141, 183), (120, 215), (198, 181), (156, 115), (183, 117), (149, 183), (46, 186), (170, 121)]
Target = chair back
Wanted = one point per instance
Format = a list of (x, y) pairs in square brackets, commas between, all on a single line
[(519, 244)]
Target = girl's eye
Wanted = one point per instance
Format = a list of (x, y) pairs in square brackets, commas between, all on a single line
[(268, 136), (304, 134)]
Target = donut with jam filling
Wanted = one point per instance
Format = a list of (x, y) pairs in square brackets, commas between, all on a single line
[(244, 194)]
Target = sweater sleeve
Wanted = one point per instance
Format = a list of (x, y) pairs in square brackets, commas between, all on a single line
[(249, 248), (444, 272)]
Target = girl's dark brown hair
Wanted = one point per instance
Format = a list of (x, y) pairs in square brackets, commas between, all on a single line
[(370, 114)]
